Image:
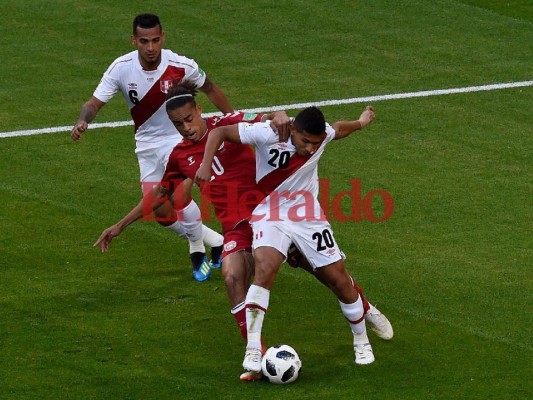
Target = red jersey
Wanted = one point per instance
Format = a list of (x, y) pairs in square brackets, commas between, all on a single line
[(232, 189)]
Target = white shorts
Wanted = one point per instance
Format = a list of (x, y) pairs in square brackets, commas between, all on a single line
[(153, 158), (314, 239)]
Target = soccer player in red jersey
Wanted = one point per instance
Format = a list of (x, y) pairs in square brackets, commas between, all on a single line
[(228, 191), (144, 76)]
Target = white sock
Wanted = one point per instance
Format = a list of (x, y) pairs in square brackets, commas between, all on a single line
[(196, 246), (354, 313), (257, 300), (211, 237), (191, 220)]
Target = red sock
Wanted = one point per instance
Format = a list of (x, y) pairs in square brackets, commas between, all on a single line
[(240, 318), (366, 305)]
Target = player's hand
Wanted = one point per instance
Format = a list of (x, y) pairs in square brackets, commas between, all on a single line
[(281, 124), (203, 174), (367, 116), (78, 129), (106, 237)]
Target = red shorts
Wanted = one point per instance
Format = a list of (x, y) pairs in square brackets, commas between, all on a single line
[(238, 239)]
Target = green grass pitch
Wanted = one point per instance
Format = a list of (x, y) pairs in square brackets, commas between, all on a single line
[(452, 267)]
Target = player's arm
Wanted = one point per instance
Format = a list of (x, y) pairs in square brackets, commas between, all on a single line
[(345, 128), (216, 137), (87, 113), (135, 214), (216, 96)]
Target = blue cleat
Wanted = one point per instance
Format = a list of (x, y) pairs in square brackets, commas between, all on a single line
[(201, 268)]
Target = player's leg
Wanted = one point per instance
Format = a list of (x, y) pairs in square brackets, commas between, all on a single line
[(187, 223), (297, 260), (316, 241), (270, 246), (238, 271), (377, 321), (340, 283)]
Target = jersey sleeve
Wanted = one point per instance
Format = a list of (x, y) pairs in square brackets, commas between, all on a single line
[(235, 118), (330, 133), (109, 84), (194, 74), (258, 134)]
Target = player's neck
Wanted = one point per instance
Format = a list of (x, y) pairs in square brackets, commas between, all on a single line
[(149, 66), (203, 136)]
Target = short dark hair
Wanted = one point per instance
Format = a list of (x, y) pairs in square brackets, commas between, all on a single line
[(180, 94), (146, 21), (310, 120)]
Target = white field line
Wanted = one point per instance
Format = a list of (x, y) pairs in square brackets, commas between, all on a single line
[(425, 93)]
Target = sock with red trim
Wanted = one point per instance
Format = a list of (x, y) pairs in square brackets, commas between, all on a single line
[(239, 313), (354, 314), (257, 300)]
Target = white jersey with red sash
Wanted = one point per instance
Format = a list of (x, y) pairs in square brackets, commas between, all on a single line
[(289, 181), (145, 91)]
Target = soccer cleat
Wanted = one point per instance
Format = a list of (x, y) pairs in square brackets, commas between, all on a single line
[(379, 323), (363, 354), (249, 376), (252, 360), (201, 267), (216, 256)]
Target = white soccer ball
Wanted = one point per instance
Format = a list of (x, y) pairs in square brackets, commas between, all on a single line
[(281, 364)]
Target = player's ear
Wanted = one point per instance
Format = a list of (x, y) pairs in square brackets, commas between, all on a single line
[(163, 36), (293, 128), (199, 108), (133, 40)]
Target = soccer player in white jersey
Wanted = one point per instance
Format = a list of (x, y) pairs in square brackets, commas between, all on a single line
[(289, 212), (143, 76)]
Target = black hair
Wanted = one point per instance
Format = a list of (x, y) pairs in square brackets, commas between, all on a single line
[(180, 94), (310, 120), (146, 21)]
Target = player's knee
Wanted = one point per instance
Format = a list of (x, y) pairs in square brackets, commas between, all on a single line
[(339, 282), (345, 291)]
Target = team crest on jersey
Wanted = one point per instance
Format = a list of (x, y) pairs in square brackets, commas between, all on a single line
[(191, 160), (230, 245), (165, 85)]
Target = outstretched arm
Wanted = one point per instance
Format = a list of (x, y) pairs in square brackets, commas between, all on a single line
[(87, 113), (345, 128), (135, 214), (216, 96), (216, 137)]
